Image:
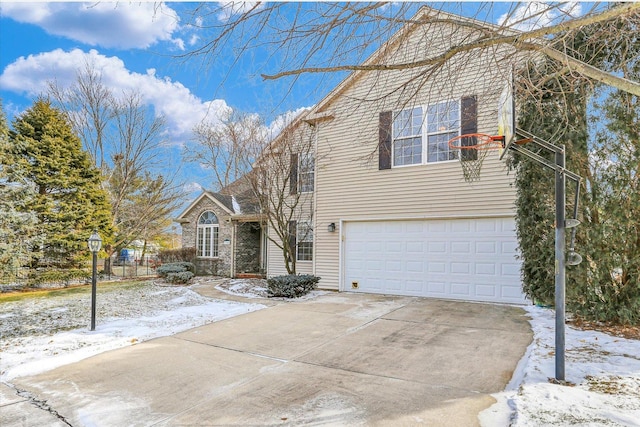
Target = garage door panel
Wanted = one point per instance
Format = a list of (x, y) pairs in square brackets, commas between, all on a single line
[(462, 290), (487, 291), (435, 227), (486, 248), (487, 269), (460, 268), (471, 259), (436, 288), (436, 247), (461, 226), (436, 267)]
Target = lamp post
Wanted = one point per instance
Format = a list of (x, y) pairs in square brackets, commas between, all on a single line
[(94, 242)]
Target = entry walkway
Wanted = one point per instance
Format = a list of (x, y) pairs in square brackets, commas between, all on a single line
[(339, 359)]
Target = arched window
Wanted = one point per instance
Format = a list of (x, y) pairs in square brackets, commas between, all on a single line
[(208, 235)]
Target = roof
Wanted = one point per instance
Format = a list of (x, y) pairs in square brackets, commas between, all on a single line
[(237, 200)]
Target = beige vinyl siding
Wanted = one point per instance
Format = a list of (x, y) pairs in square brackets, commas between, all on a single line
[(276, 265), (349, 185), (303, 212)]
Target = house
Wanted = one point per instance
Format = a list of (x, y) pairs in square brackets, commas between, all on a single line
[(227, 234), (388, 208)]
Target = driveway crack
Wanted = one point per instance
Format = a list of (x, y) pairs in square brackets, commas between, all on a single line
[(38, 403)]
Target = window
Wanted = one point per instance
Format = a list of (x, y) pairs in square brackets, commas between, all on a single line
[(207, 235), (304, 239), (443, 123), (407, 137), (411, 128), (306, 172)]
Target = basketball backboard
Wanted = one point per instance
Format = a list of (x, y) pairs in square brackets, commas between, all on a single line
[(506, 117)]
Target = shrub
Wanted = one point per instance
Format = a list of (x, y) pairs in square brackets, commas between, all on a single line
[(182, 277), (291, 285), (175, 267), (177, 272), (177, 255)]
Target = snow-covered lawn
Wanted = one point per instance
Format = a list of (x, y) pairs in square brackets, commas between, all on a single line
[(39, 334), (603, 373), (44, 332)]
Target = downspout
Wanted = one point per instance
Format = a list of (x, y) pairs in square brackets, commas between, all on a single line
[(316, 130), (233, 248)]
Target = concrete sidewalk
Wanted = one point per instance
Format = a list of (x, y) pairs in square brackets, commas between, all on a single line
[(339, 359)]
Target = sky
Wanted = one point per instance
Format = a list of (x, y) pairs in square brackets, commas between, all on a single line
[(603, 371), (136, 46)]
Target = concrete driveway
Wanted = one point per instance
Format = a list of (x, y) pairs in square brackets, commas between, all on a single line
[(339, 359)]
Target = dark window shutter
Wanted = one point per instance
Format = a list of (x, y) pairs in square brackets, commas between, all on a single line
[(469, 124), (293, 175), (293, 231), (384, 140)]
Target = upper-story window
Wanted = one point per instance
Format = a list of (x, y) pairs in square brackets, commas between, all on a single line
[(207, 235), (436, 124), (306, 172)]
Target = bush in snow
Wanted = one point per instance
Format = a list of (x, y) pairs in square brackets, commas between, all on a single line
[(180, 278), (291, 285), (177, 272), (175, 267)]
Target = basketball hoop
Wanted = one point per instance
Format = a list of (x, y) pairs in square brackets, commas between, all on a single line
[(473, 149)]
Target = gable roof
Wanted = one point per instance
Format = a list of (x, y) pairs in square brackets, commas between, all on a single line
[(423, 15), (224, 202), (237, 199)]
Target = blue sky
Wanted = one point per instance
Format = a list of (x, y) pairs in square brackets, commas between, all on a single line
[(135, 45)]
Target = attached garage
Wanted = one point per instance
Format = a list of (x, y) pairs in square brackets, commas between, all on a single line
[(471, 259)]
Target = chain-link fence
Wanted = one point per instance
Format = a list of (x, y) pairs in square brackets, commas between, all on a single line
[(47, 277)]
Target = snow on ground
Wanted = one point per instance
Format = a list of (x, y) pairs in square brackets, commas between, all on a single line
[(602, 371), (256, 288), (42, 333), (602, 374)]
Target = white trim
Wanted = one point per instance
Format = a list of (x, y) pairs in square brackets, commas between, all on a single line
[(427, 217), (193, 204), (424, 134), (314, 198)]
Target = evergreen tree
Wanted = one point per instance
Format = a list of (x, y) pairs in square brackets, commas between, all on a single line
[(560, 119), (606, 285), (18, 231), (69, 201), (612, 292)]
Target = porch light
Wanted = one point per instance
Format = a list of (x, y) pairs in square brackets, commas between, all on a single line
[(331, 228)]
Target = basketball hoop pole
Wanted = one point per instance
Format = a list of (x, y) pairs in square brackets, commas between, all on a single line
[(561, 174), (560, 267)]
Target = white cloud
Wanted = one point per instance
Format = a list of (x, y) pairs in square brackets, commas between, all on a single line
[(280, 122), (230, 8), (182, 108), (192, 187), (532, 15), (109, 24)]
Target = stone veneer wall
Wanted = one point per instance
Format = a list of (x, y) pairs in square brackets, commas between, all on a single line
[(248, 247), (220, 266)]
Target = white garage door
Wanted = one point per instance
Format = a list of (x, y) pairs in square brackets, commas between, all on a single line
[(467, 259)]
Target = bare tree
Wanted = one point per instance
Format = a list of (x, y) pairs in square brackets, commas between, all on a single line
[(283, 183), (88, 104), (125, 140), (337, 37), (227, 147)]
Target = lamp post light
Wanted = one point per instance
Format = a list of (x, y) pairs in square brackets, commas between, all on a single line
[(94, 242)]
